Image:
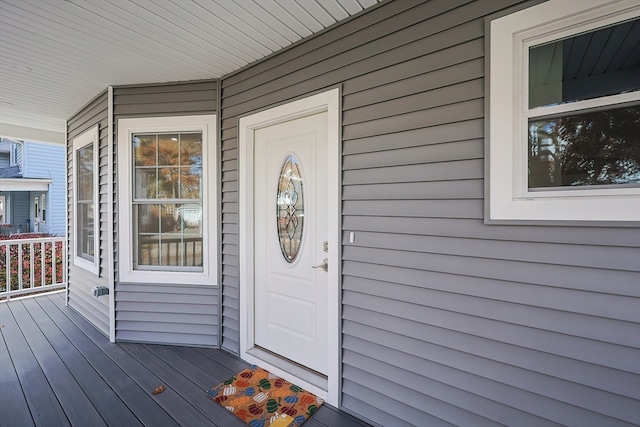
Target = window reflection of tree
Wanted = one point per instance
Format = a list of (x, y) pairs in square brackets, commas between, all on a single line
[(595, 148)]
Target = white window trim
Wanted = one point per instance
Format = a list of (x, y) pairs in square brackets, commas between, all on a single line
[(90, 137), (126, 128), (509, 198)]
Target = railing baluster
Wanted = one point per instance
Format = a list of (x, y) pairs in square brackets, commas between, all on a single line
[(19, 265), (43, 263), (7, 250), (54, 269)]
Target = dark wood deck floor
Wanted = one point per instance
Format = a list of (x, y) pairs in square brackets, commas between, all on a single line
[(57, 370)]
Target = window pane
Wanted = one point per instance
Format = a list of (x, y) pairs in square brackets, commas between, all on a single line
[(149, 249), (191, 149), (145, 183), (168, 150), (189, 217), (148, 218), (84, 233), (594, 148), (144, 150), (84, 164), (591, 65), (169, 183), (190, 182)]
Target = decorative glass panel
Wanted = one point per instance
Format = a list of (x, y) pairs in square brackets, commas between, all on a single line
[(290, 209)]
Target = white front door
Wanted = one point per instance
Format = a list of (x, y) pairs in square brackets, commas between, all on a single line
[(290, 231)]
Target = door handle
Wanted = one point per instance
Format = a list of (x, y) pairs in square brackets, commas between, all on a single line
[(324, 265)]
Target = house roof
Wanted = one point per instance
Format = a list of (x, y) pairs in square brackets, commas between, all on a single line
[(57, 55), (10, 172)]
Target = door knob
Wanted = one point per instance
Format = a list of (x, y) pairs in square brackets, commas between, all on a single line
[(324, 265)]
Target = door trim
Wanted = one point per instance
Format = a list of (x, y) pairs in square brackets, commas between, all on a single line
[(328, 101)]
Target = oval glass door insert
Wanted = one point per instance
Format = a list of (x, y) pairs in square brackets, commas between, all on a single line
[(290, 209)]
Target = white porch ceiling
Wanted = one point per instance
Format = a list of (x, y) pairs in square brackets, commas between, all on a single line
[(55, 55)]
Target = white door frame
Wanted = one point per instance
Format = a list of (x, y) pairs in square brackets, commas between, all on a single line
[(330, 102)]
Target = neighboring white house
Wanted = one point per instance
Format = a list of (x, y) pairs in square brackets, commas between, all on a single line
[(32, 187)]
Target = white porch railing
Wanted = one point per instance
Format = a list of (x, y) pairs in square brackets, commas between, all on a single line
[(32, 265)]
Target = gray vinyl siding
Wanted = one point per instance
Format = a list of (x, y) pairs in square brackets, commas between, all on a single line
[(177, 314), (149, 312), (80, 280), (446, 320)]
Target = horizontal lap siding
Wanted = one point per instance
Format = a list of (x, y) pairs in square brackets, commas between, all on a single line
[(180, 314), (81, 281), (48, 161), (176, 314), (445, 320)]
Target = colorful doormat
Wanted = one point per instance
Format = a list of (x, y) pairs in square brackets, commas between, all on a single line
[(262, 399)]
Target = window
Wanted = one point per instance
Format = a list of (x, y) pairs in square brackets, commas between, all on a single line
[(43, 208), (85, 194), (167, 199), (564, 113), (3, 210)]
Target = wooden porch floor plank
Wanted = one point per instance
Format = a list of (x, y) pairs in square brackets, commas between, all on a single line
[(203, 379), (43, 405), (173, 378), (113, 411), (75, 403), (198, 376), (172, 402), (15, 408), (189, 369), (331, 417), (114, 381), (146, 409), (206, 360), (225, 359)]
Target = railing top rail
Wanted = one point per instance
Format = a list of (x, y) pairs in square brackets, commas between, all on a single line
[(32, 240)]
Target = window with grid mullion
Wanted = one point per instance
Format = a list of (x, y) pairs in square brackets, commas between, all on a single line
[(167, 201)]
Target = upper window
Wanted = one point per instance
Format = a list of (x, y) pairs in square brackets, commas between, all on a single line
[(85, 230), (166, 197), (564, 116)]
